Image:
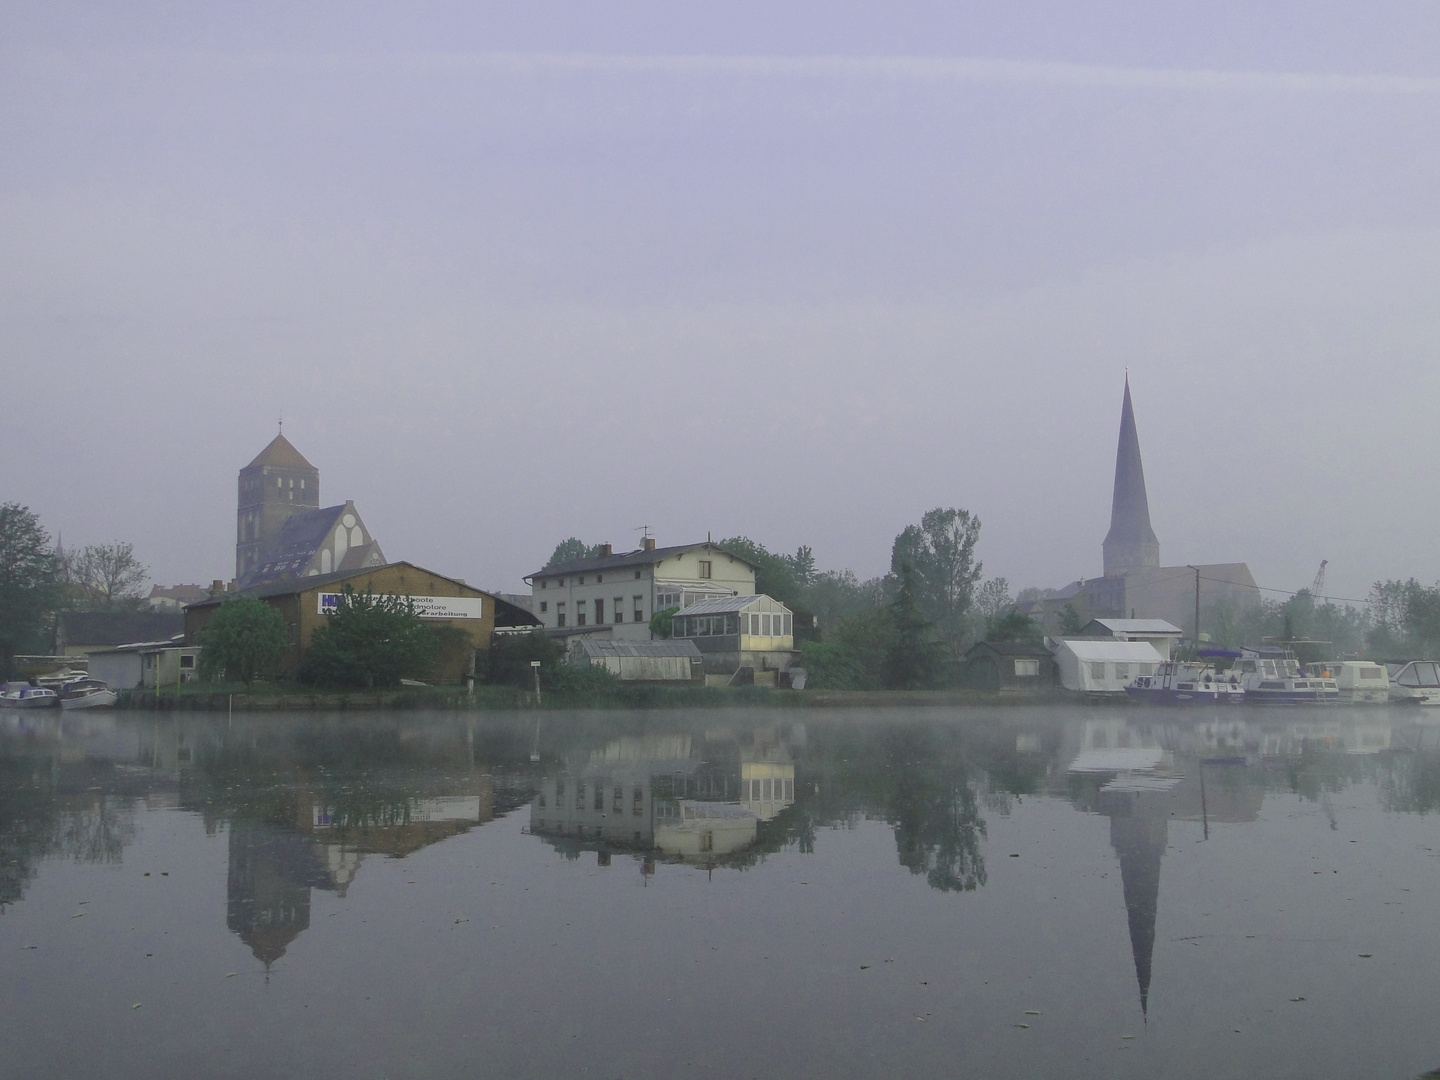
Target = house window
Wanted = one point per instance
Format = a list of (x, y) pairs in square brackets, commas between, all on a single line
[(187, 661), (599, 611), (544, 584), (579, 796), (560, 613), (704, 568), (599, 803), (559, 582), (541, 801), (637, 575), (639, 609), (579, 615), (599, 579), (1027, 668), (543, 606), (637, 806), (580, 580), (1122, 671), (619, 609), (559, 794), (619, 803), (1097, 671)]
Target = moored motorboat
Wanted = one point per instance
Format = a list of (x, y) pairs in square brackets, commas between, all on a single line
[(86, 694), (1414, 682), (25, 696), (1273, 676), (1179, 683)]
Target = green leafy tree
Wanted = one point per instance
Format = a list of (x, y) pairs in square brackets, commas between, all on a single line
[(802, 565), (1012, 625), (852, 655), (242, 641), (774, 574), (28, 587), (662, 623), (1070, 619), (511, 654), (941, 553), (370, 641), (914, 661), (572, 550)]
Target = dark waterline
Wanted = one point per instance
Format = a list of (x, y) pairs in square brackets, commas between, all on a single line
[(999, 893)]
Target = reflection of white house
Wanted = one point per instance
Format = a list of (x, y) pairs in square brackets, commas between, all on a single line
[(1103, 666)]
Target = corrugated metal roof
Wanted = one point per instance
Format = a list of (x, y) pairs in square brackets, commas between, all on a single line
[(1123, 651), (677, 647), (1137, 626), (725, 605)]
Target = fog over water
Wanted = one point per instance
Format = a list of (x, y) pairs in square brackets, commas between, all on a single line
[(798, 271)]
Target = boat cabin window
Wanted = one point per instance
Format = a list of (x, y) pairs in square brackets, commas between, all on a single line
[(1269, 667), (1370, 673), (1407, 676), (1247, 667), (1428, 674), (1272, 686)]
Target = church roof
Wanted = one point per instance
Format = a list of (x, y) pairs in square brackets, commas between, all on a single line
[(280, 452), (1129, 507)]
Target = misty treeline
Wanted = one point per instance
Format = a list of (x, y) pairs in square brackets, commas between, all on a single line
[(37, 580)]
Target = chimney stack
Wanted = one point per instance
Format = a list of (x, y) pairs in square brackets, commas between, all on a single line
[(606, 550), (648, 543), (217, 589)]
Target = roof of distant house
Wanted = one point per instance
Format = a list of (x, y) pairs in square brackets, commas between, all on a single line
[(640, 557), (1123, 651), (117, 627), (1134, 626), (281, 453), (185, 594)]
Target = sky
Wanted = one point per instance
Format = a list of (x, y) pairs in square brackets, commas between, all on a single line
[(514, 272)]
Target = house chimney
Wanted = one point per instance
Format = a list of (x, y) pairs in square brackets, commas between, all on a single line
[(606, 550), (648, 544), (217, 589)]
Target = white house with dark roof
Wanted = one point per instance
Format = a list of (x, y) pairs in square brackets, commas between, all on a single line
[(620, 593)]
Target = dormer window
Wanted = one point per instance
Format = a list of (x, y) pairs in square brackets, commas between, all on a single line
[(704, 568)]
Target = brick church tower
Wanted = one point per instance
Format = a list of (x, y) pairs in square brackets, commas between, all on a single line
[(276, 485)]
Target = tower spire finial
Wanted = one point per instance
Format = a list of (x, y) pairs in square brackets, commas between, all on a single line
[(282, 421)]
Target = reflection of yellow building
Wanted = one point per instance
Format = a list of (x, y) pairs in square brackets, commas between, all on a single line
[(766, 787), (700, 831)]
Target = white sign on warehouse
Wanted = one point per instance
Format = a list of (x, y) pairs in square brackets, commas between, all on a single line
[(427, 607)]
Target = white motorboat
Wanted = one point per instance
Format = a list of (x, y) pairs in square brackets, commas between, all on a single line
[(87, 694), (25, 696), (1414, 682), (1273, 676), (1362, 682)]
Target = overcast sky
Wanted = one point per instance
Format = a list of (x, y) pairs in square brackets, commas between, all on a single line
[(799, 271)]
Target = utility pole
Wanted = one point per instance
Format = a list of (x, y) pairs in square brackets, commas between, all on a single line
[(1197, 610)]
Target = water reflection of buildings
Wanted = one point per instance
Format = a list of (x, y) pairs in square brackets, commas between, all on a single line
[(690, 798), (273, 868), (1131, 773)]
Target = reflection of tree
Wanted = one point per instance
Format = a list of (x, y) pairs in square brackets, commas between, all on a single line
[(1411, 784), (28, 812), (97, 832)]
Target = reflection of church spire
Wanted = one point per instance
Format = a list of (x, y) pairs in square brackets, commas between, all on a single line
[(1130, 544), (1140, 844)]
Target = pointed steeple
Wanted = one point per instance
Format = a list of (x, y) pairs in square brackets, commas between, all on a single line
[(1130, 544)]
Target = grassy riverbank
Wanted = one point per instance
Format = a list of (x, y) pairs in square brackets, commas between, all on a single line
[(205, 697)]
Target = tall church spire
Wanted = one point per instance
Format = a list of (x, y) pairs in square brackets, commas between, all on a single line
[(1130, 543)]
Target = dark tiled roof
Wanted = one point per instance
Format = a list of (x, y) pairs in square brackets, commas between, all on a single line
[(281, 453), (118, 627), (633, 558), (1010, 648)]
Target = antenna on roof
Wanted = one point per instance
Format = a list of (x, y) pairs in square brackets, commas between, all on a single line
[(643, 530)]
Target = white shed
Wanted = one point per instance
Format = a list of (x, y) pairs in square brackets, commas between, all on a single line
[(1103, 666), (1163, 635)]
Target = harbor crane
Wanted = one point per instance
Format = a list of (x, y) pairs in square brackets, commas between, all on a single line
[(1319, 582)]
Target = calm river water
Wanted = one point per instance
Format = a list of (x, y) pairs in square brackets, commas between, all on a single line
[(1046, 892)]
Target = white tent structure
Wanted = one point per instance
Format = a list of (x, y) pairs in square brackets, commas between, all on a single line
[(1103, 667)]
